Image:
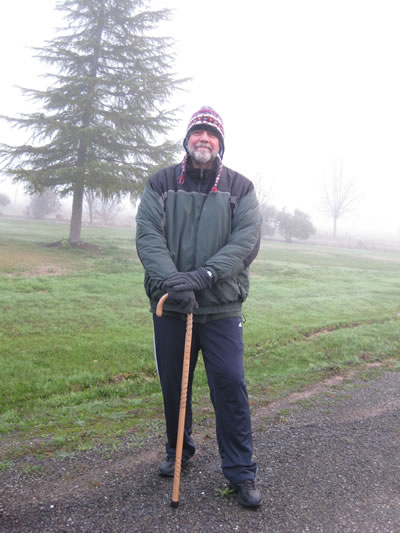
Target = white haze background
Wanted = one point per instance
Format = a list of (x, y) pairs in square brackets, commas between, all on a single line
[(302, 86)]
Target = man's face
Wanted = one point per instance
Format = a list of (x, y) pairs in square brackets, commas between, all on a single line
[(203, 147)]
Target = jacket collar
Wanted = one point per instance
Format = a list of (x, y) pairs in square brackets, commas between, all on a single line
[(206, 173)]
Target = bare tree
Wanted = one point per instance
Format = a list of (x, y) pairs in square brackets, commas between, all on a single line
[(268, 211), (107, 208), (339, 197), (263, 189), (90, 199)]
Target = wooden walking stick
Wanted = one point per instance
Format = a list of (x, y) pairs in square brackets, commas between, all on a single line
[(182, 406)]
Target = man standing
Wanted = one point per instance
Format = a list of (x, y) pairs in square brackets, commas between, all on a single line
[(198, 230)]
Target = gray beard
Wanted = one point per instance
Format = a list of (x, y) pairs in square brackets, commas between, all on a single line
[(201, 157)]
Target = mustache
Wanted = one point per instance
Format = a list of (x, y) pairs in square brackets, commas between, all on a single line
[(203, 144)]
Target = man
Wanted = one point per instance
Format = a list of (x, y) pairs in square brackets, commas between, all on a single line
[(198, 230)]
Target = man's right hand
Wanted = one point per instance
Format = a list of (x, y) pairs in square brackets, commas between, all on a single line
[(184, 300)]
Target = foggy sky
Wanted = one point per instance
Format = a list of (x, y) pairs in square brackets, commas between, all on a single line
[(301, 86)]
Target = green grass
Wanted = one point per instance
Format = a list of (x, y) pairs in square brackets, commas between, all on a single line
[(76, 349)]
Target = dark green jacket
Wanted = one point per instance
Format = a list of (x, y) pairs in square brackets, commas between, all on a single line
[(181, 227)]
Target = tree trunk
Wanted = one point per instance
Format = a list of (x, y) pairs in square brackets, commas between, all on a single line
[(334, 227), (79, 188), (90, 214), (89, 197), (75, 226)]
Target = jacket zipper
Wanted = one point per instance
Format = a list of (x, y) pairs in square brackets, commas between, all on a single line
[(201, 212), (201, 178)]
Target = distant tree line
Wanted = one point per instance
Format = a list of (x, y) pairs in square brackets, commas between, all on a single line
[(43, 204), (339, 198), (47, 203)]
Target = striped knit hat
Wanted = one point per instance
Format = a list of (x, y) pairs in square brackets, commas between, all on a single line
[(205, 119)]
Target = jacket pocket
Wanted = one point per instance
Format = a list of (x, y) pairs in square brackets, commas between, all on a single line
[(228, 291), (242, 292)]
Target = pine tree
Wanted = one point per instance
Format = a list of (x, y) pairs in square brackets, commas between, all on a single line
[(104, 114)]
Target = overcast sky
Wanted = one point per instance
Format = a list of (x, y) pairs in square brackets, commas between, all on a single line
[(302, 86)]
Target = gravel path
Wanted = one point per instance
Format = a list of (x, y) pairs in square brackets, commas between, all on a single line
[(330, 463)]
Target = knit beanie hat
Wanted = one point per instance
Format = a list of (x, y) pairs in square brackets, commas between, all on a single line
[(205, 119)]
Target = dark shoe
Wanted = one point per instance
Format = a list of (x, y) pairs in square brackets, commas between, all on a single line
[(167, 467), (247, 494)]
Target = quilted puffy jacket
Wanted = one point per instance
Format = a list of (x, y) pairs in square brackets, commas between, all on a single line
[(181, 227)]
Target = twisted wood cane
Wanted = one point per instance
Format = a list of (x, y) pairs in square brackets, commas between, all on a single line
[(182, 406)]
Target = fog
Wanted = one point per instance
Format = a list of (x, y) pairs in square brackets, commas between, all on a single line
[(301, 87)]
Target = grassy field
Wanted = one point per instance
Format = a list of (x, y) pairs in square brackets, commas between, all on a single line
[(76, 350)]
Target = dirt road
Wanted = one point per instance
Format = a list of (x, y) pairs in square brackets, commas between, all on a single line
[(328, 463)]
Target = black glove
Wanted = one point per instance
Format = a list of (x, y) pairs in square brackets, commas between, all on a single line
[(184, 300), (189, 281)]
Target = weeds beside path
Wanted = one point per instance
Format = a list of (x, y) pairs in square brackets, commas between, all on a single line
[(327, 463)]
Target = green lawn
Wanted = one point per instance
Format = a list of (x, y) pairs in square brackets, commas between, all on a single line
[(76, 348)]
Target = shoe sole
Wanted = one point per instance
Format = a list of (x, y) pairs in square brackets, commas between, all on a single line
[(165, 474)]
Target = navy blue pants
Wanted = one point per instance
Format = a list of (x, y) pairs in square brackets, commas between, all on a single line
[(221, 343)]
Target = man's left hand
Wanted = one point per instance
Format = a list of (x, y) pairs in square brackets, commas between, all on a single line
[(196, 280)]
